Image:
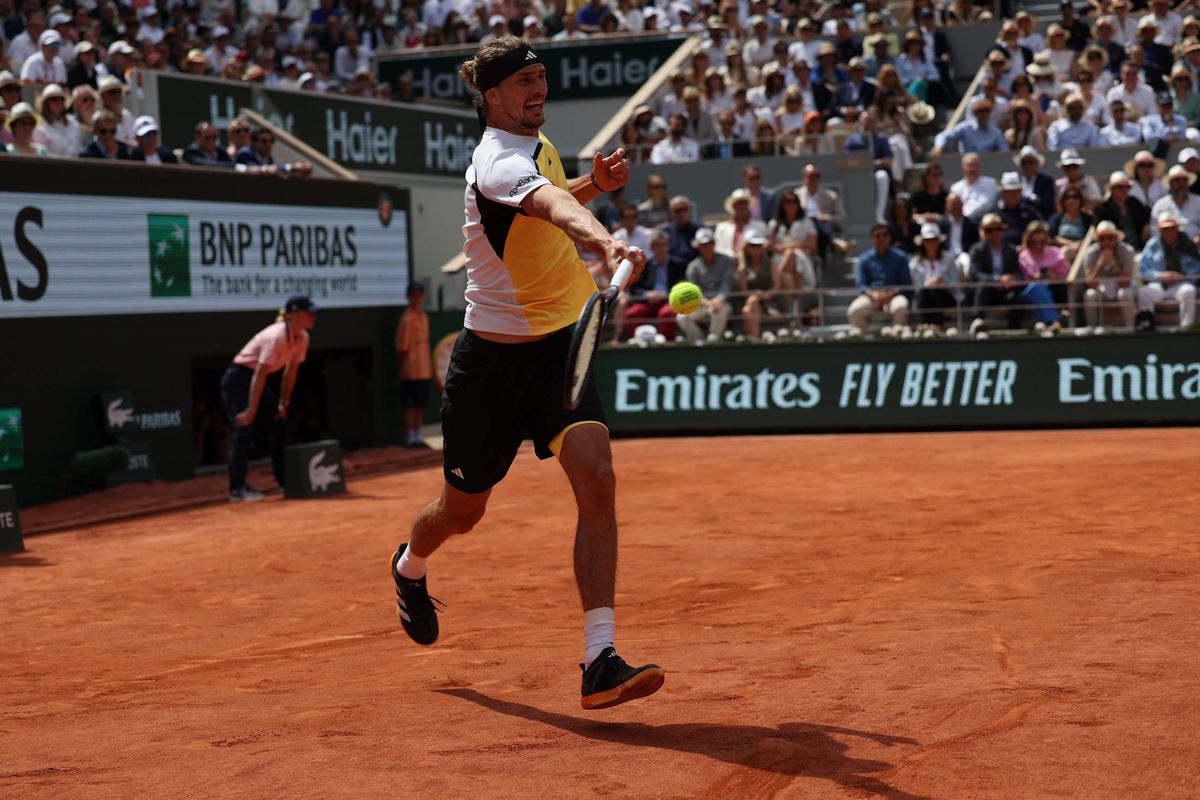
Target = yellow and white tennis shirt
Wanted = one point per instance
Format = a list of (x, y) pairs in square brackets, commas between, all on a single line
[(524, 276)]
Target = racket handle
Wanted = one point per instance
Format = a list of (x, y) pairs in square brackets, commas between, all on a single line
[(621, 276)]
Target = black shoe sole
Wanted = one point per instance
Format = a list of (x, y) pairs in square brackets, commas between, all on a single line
[(643, 684)]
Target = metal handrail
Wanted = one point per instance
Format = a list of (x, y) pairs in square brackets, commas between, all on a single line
[(963, 305)]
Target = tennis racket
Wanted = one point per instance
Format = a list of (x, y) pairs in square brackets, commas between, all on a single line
[(586, 339)]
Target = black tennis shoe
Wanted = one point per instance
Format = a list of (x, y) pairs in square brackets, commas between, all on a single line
[(609, 681), (418, 614)]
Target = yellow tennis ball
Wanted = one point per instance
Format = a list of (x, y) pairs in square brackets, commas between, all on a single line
[(685, 298)]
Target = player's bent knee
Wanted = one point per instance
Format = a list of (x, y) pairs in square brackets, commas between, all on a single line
[(595, 481)]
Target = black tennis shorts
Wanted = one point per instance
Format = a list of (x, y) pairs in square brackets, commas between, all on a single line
[(496, 396)]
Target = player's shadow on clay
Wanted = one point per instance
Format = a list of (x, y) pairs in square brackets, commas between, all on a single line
[(792, 748)]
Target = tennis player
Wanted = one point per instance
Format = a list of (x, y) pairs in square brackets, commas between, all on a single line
[(525, 286)]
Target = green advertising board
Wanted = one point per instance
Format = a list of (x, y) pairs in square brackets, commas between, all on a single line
[(903, 385), (12, 439), (602, 67), (358, 134)]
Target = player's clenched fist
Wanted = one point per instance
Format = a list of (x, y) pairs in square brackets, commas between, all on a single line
[(611, 173)]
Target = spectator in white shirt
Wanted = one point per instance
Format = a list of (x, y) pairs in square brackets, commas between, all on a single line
[(758, 50), (1120, 131), (351, 57), (149, 30), (221, 52), (1124, 24), (1169, 23), (45, 67), (112, 98), (630, 231), (978, 191), (64, 25), (56, 130), (676, 148), (1133, 91), (25, 44)]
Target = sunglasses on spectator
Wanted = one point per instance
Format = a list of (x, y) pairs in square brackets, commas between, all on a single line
[(239, 129), (1072, 197), (791, 200), (657, 185), (680, 210), (993, 229), (210, 137), (754, 177), (106, 131), (1037, 240), (1107, 238)]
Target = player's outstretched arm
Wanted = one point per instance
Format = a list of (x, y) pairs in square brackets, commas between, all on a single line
[(559, 208)]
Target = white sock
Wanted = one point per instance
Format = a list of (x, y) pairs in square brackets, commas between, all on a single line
[(599, 625), (411, 566)]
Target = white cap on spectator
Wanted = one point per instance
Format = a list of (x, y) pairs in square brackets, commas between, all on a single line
[(1178, 171), (738, 195), (84, 47), (219, 31), (59, 18), (703, 236), (108, 83), (1071, 156), (496, 19), (1168, 220), (8, 79), (50, 38), (20, 111), (148, 11), (1010, 180), (1187, 154), (1107, 227), (307, 77), (52, 90), (1118, 178), (756, 20), (290, 61), (755, 237), (121, 47), (651, 12), (1029, 151), (930, 230), (144, 126), (531, 21)]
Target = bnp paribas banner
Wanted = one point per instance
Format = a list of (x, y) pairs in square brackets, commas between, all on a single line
[(77, 255), (599, 67), (358, 134), (849, 386)]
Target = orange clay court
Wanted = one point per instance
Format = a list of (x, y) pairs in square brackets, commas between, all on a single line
[(1000, 615)]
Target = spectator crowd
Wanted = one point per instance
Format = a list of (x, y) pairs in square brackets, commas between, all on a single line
[(986, 247)]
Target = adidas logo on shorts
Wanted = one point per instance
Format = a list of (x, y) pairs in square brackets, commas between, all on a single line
[(458, 471)]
